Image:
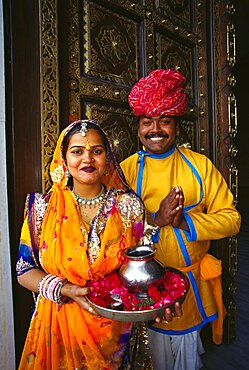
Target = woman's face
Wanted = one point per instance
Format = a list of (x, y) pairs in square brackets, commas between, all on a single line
[(86, 158)]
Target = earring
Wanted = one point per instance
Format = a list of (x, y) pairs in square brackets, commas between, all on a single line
[(106, 173), (67, 175)]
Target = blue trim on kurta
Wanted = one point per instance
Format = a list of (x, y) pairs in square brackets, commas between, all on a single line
[(198, 178), (191, 235), (140, 173), (186, 331), (190, 274), (197, 296), (182, 246), (155, 237)]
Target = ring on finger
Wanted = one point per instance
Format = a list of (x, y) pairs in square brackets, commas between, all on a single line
[(90, 309)]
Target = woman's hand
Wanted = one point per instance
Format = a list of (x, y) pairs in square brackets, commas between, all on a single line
[(78, 294)]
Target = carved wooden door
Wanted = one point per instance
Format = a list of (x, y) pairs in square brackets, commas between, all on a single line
[(104, 47), (113, 43)]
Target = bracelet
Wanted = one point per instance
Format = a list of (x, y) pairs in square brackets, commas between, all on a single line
[(40, 285), (57, 291), (50, 286), (43, 283)]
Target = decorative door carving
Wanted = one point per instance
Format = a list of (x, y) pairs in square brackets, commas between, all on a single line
[(94, 51), (112, 44)]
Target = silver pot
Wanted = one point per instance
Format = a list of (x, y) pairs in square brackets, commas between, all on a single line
[(140, 270)]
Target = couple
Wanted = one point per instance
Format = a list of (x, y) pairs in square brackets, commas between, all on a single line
[(77, 231)]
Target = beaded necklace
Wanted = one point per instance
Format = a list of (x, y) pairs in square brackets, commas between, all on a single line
[(91, 202)]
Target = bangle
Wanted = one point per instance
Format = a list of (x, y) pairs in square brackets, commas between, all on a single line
[(50, 286), (42, 286), (57, 291), (45, 285)]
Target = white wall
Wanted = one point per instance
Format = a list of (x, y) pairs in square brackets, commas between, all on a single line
[(7, 350)]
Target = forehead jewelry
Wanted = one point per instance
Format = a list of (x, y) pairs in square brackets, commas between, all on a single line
[(88, 146), (83, 128)]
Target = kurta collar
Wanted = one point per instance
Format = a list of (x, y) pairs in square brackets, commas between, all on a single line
[(143, 153)]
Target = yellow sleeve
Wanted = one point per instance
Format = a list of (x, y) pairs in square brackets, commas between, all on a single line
[(220, 218)]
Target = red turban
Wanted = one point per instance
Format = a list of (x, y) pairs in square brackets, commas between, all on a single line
[(161, 93)]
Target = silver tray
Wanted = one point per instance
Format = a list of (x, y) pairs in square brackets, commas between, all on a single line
[(143, 315), (134, 316)]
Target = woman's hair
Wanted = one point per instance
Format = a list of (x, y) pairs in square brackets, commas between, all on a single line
[(76, 129)]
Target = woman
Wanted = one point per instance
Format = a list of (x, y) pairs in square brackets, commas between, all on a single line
[(73, 234)]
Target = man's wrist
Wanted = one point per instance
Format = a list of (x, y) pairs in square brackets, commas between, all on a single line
[(158, 220), (151, 218)]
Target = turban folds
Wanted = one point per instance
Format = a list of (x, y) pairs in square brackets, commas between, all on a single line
[(161, 93)]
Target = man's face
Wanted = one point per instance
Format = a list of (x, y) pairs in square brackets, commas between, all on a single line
[(157, 134)]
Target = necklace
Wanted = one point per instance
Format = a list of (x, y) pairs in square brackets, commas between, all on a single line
[(91, 202)]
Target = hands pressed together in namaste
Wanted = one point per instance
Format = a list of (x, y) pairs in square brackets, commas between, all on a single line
[(171, 210)]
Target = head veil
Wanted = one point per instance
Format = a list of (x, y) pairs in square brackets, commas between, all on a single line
[(114, 178), (62, 222)]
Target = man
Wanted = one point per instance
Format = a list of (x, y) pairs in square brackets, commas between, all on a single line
[(187, 197)]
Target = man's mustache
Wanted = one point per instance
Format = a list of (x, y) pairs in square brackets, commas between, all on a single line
[(149, 136)]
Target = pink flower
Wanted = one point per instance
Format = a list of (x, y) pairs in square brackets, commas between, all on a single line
[(172, 288)]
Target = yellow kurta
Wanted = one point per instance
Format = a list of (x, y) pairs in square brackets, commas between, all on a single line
[(213, 216)]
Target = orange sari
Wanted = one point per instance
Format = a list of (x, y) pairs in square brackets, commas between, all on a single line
[(63, 336)]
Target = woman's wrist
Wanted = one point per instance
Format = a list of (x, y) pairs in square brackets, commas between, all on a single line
[(50, 287)]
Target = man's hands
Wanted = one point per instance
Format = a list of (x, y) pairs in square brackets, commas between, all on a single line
[(170, 314), (171, 210)]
